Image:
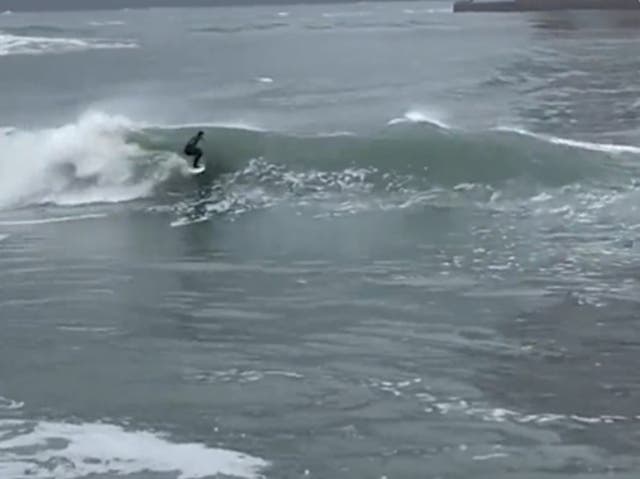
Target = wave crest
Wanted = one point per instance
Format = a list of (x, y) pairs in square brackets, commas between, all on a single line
[(84, 162)]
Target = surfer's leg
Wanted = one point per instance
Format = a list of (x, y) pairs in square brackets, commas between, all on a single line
[(198, 155)]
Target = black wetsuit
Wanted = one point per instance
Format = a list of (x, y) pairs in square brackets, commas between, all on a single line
[(191, 149)]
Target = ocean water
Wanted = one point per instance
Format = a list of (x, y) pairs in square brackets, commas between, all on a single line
[(414, 252)]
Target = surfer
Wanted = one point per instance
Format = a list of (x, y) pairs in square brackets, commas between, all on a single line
[(191, 148)]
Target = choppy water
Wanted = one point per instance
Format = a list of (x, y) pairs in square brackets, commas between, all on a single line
[(413, 253)]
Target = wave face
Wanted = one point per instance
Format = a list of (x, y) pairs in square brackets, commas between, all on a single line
[(441, 157), (103, 158)]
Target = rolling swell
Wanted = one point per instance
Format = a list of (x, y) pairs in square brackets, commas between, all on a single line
[(421, 155)]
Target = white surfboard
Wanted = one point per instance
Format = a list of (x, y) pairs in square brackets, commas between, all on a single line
[(196, 171)]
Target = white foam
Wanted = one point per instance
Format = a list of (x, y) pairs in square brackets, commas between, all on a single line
[(486, 457), (235, 125), (83, 162), (514, 129), (345, 14), (283, 14), (603, 147), (265, 80), (286, 374), (28, 45), (465, 186), (88, 329), (180, 222), (584, 145), (410, 11), (454, 405), (10, 404), (417, 116), (107, 23), (334, 134), (542, 197), (68, 451), (59, 219)]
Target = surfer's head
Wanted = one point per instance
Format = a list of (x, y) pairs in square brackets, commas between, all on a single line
[(201, 133)]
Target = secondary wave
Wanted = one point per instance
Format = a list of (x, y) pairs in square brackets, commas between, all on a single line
[(242, 28), (20, 44), (42, 30), (107, 23)]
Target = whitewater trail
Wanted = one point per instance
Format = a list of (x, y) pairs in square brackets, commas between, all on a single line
[(71, 451)]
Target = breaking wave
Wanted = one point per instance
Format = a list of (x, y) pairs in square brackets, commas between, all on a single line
[(104, 158), (84, 162)]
